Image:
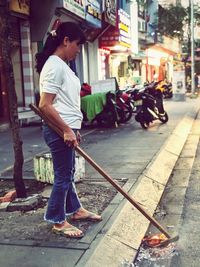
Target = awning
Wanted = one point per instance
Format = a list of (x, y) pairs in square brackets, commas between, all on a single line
[(160, 48)]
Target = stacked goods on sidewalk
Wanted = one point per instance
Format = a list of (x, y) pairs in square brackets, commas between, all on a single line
[(43, 168)]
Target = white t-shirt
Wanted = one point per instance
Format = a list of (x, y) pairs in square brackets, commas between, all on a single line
[(57, 78)]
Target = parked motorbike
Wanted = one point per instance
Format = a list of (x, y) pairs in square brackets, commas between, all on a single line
[(135, 97), (151, 107), (124, 106), (120, 106), (107, 117), (166, 89)]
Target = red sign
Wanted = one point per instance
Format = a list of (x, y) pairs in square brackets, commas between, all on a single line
[(109, 38)]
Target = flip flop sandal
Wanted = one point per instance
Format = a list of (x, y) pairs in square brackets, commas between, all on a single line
[(67, 232), (89, 217)]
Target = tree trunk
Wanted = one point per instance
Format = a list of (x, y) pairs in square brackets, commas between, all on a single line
[(12, 99)]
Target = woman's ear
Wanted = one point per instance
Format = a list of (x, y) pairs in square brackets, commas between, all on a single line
[(65, 41)]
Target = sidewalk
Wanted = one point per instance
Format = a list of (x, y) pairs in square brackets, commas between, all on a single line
[(145, 159)]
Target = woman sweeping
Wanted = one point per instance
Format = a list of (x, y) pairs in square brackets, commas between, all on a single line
[(60, 102)]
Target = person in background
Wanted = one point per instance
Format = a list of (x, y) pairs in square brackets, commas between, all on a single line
[(60, 102), (155, 76), (188, 83), (196, 81)]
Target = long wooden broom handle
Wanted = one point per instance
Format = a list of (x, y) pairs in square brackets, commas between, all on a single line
[(51, 124)]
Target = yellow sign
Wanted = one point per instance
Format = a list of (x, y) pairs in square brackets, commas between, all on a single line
[(20, 6)]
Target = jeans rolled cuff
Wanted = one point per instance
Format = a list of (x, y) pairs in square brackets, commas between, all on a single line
[(52, 221)]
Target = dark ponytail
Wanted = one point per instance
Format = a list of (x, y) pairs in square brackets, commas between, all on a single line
[(55, 38)]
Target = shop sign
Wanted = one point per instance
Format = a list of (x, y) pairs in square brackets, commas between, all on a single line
[(124, 28), (93, 12), (120, 35), (110, 38), (110, 11), (75, 6), (20, 6)]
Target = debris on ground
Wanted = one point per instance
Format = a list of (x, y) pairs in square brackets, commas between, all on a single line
[(153, 240), (153, 255)]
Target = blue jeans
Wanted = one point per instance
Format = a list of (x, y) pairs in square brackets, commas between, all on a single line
[(63, 200)]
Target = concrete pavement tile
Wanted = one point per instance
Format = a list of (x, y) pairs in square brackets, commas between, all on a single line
[(129, 227), (180, 178), (184, 164), (192, 140), (175, 144), (175, 196), (161, 167), (196, 129), (188, 153), (108, 247), (24, 256), (183, 128), (148, 193), (191, 144), (196, 167)]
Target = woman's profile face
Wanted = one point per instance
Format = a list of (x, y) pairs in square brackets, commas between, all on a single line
[(72, 49)]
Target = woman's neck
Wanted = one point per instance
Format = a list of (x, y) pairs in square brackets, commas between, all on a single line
[(60, 54)]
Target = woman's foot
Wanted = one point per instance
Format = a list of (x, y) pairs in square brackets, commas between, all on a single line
[(83, 214), (67, 230)]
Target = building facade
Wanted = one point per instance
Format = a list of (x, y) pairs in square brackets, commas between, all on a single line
[(122, 42), (21, 57)]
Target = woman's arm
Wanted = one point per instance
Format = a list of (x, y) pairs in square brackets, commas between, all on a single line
[(45, 105)]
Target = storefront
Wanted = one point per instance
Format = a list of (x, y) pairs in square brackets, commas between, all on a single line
[(115, 47), (159, 64), (159, 59)]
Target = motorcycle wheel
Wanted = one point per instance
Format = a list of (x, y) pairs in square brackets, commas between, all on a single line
[(145, 125), (164, 118), (124, 114), (106, 120)]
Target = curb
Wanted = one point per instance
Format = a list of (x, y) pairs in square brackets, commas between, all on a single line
[(122, 239)]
